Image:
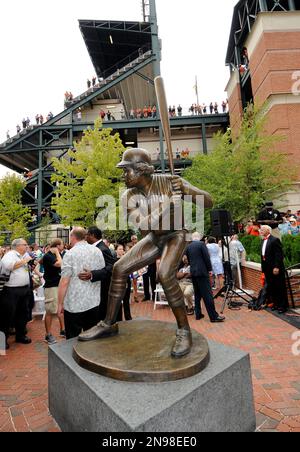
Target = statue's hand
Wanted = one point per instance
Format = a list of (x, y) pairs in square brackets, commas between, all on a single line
[(177, 184)]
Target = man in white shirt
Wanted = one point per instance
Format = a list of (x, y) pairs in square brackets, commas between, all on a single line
[(79, 300), (237, 256), (16, 294)]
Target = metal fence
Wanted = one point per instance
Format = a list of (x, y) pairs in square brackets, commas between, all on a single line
[(293, 283)]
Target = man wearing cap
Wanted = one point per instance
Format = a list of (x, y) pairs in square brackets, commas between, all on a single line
[(145, 200), (271, 217)]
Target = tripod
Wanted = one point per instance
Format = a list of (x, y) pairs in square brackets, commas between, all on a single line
[(229, 287)]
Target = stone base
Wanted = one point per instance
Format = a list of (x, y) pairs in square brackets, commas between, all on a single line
[(219, 399)]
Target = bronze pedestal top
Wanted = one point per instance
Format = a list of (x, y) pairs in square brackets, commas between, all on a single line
[(141, 353)]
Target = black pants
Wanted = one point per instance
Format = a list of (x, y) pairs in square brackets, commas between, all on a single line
[(202, 289), (81, 321), (14, 306), (31, 301), (104, 299), (276, 289), (125, 307), (150, 275)]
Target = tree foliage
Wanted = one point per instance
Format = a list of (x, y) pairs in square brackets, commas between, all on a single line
[(14, 216), (291, 248), (244, 172), (87, 172)]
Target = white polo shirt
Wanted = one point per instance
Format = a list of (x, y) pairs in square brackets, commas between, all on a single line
[(19, 277)]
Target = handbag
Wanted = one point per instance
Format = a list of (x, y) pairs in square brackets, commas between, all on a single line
[(36, 282), (261, 301)]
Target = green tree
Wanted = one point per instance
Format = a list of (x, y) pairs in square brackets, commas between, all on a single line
[(14, 216), (244, 172), (88, 171)]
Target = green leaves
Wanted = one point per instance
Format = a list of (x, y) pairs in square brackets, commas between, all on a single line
[(85, 174), (291, 249), (14, 217), (244, 172)]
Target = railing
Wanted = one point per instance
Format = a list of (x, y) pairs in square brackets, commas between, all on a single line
[(114, 71), (127, 60), (293, 283), (19, 135)]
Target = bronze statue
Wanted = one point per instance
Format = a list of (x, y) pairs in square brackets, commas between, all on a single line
[(168, 245)]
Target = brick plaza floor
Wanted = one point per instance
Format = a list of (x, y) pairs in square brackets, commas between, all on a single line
[(276, 371)]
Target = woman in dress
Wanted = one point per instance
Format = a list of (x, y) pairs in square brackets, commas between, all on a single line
[(216, 261)]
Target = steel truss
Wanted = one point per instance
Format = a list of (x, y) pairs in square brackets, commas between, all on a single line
[(118, 25), (245, 16)]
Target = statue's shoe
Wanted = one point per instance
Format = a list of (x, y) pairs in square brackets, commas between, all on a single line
[(183, 343), (98, 332)]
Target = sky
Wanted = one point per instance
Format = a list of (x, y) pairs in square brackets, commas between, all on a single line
[(42, 52)]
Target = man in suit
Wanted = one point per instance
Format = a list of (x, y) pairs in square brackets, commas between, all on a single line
[(201, 270), (272, 262), (94, 237)]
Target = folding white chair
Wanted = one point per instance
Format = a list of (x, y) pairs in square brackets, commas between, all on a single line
[(39, 303), (160, 297)]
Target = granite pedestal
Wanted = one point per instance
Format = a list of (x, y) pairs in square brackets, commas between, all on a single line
[(219, 399)]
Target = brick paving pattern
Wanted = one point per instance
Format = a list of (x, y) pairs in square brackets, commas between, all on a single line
[(276, 371)]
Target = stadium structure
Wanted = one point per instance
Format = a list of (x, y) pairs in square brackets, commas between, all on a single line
[(264, 59), (126, 57)]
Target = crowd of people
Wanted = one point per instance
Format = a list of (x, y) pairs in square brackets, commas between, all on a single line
[(149, 112), (143, 113), (282, 223), (179, 154), (27, 124), (213, 108), (70, 275)]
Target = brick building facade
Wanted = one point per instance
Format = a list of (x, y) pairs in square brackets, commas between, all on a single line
[(264, 58)]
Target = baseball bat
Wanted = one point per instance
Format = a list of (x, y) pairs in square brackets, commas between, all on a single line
[(164, 116)]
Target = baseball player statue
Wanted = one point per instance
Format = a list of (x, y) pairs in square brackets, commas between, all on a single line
[(145, 200)]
